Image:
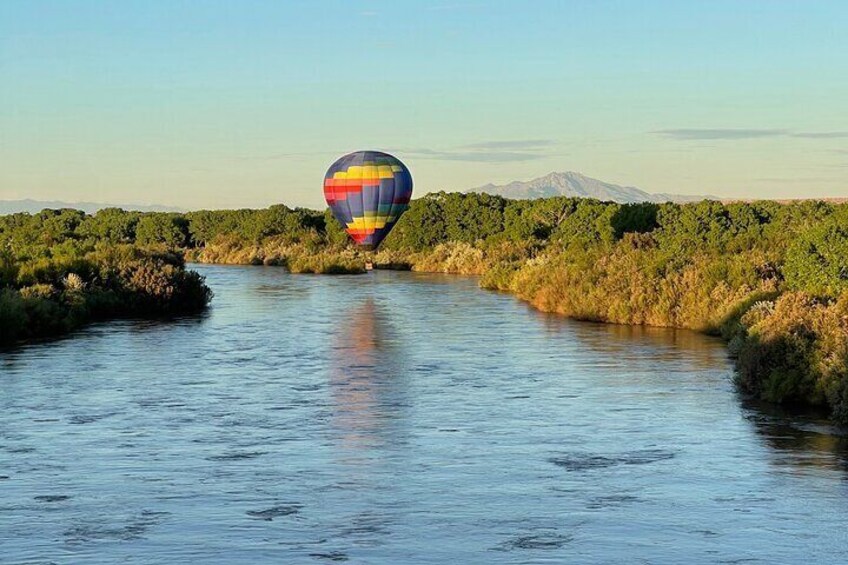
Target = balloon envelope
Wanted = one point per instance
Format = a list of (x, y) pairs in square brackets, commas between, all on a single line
[(367, 192)]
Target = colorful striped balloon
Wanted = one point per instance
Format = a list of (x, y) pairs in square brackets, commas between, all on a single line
[(367, 192)]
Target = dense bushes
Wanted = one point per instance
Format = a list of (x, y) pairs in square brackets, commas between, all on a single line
[(253, 225), (147, 282), (795, 349), (169, 230), (13, 317), (60, 269), (113, 282), (817, 262), (635, 282), (110, 225), (308, 256)]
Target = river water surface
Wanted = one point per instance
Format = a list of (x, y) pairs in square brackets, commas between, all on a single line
[(400, 418)]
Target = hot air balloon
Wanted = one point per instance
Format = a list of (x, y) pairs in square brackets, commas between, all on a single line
[(367, 192)]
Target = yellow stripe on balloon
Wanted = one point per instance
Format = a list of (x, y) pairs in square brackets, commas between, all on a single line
[(357, 224), (369, 221), (369, 172), (366, 172)]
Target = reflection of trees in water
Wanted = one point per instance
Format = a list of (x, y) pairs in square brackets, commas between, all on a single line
[(802, 438), (622, 341), (187, 321), (11, 354), (366, 379)]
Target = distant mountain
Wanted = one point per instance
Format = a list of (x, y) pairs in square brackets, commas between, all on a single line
[(577, 185), (32, 206)]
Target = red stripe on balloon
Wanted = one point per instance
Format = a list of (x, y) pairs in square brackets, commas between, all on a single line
[(357, 237), (363, 231), (352, 182), (329, 194)]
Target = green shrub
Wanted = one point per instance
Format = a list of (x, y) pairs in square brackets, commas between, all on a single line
[(795, 349), (817, 262), (50, 294), (110, 225), (8, 269), (169, 230), (13, 316)]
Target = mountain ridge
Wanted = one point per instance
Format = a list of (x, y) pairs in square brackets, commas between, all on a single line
[(574, 184), (34, 206)]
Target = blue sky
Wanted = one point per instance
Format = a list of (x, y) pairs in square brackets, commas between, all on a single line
[(230, 104)]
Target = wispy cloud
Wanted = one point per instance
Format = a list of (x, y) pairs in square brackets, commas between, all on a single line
[(474, 156), (522, 144), (686, 134), (821, 134), (481, 152), (489, 151), (284, 156), (729, 133)]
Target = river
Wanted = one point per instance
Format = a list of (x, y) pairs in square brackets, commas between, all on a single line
[(400, 418)]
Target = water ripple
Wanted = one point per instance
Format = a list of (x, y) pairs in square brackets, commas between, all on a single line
[(401, 418)]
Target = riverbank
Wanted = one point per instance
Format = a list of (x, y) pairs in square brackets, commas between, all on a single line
[(771, 278), (789, 347), (767, 277)]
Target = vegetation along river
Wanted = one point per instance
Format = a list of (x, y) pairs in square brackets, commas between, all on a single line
[(400, 418)]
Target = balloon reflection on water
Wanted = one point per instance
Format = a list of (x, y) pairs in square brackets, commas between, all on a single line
[(365, 377)]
